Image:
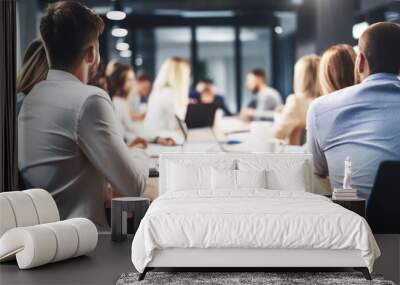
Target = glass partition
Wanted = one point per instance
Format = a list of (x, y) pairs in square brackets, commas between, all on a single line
[(216, 59), (256, 53)]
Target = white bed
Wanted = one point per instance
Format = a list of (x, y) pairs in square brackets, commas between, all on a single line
[(201, 220)]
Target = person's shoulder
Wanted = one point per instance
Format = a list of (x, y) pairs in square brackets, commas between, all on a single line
[(271, 90), (91, 90), (335, 100), (80, 92), (194, 95), (117, 99), (93, 96), (291, 98), (118, 102), (219, 98), (273, 93)]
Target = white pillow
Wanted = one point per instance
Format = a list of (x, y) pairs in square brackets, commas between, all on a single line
[(280, 180), (189, 175), (282, 174), (251, 178), (183, 177), (226, 179), (223, 179)]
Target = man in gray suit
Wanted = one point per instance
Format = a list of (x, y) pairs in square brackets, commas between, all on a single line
[(69, 142), (265, 98)]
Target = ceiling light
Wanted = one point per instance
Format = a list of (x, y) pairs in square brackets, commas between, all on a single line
[(116, 13), (278, 29), (119, 32), (126, 53), (207, 14), (359, 28), (122, 46), (139, 60)]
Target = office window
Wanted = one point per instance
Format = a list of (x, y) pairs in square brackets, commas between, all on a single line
[(151, 46), (143, 51), (171, 42), (256, 53), (216, 59)]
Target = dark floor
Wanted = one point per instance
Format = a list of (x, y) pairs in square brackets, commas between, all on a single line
[(110, 259), (103, 266)]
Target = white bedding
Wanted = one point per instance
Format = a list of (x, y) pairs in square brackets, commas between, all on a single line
[(250, 219)]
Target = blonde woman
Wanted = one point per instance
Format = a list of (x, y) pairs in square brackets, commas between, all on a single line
[(291, 120), (34, 70), (337, 68), (169, 98), (121, 85)]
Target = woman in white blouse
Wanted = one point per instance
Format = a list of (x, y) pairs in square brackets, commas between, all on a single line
[(121, 84), (290, 120), (169, 98)]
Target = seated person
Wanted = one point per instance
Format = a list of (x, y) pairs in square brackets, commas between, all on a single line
[(143, 87), (169, 98), (360, 121), (69, 143), (139, 97), (34, 70), (121, 84), (100, 78), (265, 97), (111, 66), (206, 93), (290, 121), (337, 68)]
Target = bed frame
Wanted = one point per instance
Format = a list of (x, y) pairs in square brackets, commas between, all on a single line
[(250, 259), (242, 259)]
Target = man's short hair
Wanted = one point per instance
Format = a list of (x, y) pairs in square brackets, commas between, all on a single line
[(143, 77), (207, 81), (67, 28), (260, 73), (381, 45)]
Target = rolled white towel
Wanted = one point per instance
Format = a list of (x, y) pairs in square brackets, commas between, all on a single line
[(7, 218), (87, 234), (45, 205), (37, 245), (23, 208), (32, 246), (26, 208), (67, 240)]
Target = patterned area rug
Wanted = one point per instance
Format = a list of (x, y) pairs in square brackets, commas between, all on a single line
[(268, 278)]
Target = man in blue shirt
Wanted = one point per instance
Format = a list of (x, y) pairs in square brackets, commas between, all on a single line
[(361, 121)]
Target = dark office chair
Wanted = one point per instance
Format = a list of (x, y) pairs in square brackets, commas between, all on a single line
[(383, 209)]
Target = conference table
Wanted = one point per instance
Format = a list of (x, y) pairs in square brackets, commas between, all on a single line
[(229, 134)]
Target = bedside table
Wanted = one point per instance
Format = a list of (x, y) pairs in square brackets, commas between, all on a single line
[(120, 208), (358, 206)]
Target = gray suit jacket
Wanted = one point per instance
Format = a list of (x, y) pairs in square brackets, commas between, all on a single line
[(70, 145)]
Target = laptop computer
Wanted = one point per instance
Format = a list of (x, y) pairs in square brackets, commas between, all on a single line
[(200, 115), (183, 128)]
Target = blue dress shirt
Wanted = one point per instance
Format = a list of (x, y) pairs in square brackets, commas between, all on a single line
[(361, 121)]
